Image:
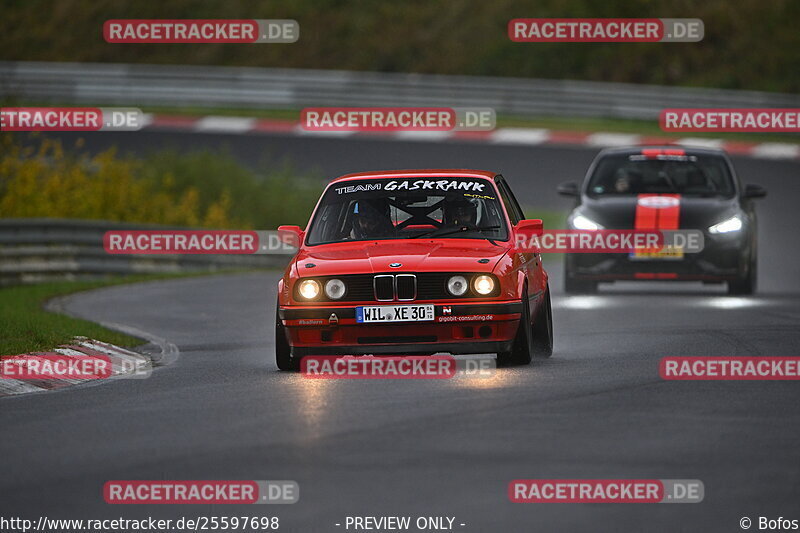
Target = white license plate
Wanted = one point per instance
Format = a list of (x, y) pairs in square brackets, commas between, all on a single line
[(394, 313)]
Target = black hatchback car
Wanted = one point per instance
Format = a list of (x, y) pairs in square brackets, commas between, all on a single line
[(666, 188)]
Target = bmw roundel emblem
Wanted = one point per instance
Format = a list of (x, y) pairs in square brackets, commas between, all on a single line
[(395, 265)]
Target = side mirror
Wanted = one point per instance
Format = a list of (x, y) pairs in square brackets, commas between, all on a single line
[(754, 191), (527, 233), (291, 235), (530, 225), (569, 188)]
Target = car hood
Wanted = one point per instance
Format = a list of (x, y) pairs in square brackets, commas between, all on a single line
[(692, 212), (451, 255)]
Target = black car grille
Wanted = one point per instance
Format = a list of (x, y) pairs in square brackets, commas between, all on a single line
[(391, 287), (384, 288), (433, 286), (406, 286)]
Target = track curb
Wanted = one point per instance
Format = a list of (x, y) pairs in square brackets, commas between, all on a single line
[(126, 363), (501, 136)]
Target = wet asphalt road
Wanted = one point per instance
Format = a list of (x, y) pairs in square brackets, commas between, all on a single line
[(597, 409)]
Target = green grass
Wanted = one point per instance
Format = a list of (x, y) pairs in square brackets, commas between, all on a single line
[(26, 327), (279, 114), (550, 219), (42, 177)]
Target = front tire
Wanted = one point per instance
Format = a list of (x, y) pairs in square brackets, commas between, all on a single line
[(522, 350), (543, 329), (577, 286), (574, 286), (283, 352), (747, 284)]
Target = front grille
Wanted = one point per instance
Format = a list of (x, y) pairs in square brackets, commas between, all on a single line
[(406, 286), (433, 286), (384, 288), (359, 288)]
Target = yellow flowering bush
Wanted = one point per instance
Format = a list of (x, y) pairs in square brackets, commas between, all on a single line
[(41, 178)]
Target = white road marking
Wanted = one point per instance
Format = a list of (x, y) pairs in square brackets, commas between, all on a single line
[(612, 139), (300, 131), (121, 353), (777, 151), (520, 136), (225, 124), (701, 142), (68, 351), (147, 119), (423, 135), (15, 386)]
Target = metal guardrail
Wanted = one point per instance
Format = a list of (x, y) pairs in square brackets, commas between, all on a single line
[(98, 84), (43, 249)]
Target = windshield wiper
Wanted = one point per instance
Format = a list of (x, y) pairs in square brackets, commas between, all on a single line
[(442, 231)]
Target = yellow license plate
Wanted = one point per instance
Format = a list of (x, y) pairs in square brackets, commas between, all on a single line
[(667, 252)]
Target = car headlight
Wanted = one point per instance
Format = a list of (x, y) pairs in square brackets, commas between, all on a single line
[(457, 285), (584, 223), (483, 284), (727, 226), (334, 288), (309, 289)]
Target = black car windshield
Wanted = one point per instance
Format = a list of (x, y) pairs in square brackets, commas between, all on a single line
[(408, 208), (690, 175)]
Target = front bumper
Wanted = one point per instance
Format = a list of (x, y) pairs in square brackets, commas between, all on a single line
[(457, 329)]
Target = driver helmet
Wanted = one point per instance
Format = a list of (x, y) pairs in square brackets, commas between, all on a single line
[(368, 221), (461, 212)]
